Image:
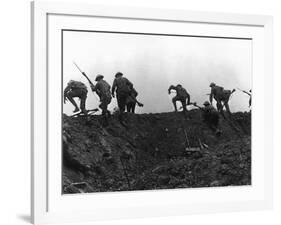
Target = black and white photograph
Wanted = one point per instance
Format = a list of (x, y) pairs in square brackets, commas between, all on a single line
[(151, 111)]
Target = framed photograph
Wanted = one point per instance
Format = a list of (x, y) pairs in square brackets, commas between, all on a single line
[(142, 112)]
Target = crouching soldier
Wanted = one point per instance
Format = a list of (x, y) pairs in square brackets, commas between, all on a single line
[(76, 89), (102, 88), (132, 101), (181, 95), (221, 96), (210, 116)]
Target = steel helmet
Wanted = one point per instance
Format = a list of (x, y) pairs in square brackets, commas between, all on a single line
[(118, 74), (212, 84), (99, 76)]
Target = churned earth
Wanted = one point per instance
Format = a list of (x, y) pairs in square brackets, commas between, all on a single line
[(154, 151)]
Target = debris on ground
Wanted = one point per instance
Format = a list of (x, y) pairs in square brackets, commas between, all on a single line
[(154, 151)]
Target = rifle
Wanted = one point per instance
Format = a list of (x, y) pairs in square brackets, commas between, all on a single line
[(191, 103), (246, 92), (84, 74), (137, 102), (194, 104), (135, 99)]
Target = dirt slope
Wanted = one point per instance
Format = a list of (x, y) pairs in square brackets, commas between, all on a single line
[(150, 152)]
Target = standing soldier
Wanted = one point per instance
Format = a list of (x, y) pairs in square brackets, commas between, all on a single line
[(79, 90), (102, 88), (221, 96), (123, 87), (181, 96)]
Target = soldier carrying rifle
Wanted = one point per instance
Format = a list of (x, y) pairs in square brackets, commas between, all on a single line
[(102, 88)]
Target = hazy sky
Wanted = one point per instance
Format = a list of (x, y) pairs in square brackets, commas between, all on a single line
[(154, 62)]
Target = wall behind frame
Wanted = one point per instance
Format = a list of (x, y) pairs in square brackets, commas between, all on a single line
[(15, 108)]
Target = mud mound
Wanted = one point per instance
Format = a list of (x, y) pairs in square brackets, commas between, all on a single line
[(154, 151)]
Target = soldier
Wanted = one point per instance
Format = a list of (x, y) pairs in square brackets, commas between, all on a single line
[(210, 116), (132, 101), (221, 96), (181, 96), (250, 95), (250, 99), (102, 88), (123, 88), (79, 90)]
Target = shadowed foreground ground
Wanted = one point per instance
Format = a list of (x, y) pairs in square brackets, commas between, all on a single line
[(150, 153)]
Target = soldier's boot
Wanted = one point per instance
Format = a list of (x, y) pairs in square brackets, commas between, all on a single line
[(84, 111)]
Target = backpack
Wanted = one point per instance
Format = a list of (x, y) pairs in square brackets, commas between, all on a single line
[(77, 85), (182, 92), (123, 85)]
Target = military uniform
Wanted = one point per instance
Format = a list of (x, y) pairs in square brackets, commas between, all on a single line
[(79, 90), (181, 96), (211, 117), (123, 87), (102, 88), (221, 96), (131, 101)]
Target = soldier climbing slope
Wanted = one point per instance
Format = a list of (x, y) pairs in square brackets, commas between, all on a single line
[(250, 95), (132, 101), (102, 88), (181, 95), (221, 96), (123, 87), (210, 116), (76, 89)]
